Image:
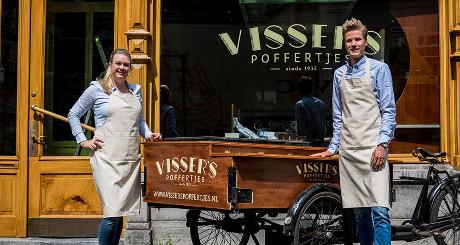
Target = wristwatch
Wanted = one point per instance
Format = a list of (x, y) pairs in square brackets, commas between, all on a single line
[(384, 145)]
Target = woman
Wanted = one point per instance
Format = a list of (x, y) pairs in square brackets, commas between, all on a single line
[(114, 148)]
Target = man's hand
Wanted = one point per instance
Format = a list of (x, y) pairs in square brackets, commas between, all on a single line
[(154, 137), (325, 153), (378, 157), (92, 144)]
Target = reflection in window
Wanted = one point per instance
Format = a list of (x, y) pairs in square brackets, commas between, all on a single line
[(72, 62), (8, 76), (250, 55)]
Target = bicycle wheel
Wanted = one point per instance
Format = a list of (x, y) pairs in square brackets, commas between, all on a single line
[(446, 207), (320, 220), (211, 227)]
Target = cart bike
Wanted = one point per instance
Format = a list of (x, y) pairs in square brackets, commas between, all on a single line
[(233, 188)]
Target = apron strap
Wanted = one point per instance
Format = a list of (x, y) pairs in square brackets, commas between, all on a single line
[(344, 72), (367, 69)]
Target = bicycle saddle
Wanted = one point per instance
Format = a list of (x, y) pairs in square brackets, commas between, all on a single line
[(426, 153)]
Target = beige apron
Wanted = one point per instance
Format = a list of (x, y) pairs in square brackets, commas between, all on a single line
[(360, 185), (115, 166)]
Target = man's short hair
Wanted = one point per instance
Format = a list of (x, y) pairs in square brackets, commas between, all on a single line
[(165, 93), (354, 25)]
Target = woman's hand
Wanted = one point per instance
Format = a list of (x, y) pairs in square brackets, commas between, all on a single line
[(325, 153), (154, 137), (92, 144)]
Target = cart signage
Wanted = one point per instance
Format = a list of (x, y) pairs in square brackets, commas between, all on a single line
[(186, 171), (186, 196), (317, 171)]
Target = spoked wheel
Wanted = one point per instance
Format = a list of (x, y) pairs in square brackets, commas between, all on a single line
[(320, 221), (447, 207), (211, 227)]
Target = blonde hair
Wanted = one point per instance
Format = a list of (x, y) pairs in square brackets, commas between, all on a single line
[(107, 81), (354, 25)]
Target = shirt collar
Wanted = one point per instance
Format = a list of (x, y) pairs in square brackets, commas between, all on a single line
[(130, 88), (358, 64)]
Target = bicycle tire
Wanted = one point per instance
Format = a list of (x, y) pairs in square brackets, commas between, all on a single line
[(207, 227), (444, 207), (320, 220)]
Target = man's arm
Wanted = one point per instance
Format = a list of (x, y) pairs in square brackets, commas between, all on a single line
[(384, 85), (171, 123), (336, 118), (336, 113)]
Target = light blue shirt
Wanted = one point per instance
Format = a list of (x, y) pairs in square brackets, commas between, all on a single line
[(95, 97), (383, 91)]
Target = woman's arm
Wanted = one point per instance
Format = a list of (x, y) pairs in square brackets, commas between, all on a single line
[(83, 104)]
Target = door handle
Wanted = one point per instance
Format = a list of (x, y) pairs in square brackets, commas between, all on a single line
[(34, 134), (38, 139)]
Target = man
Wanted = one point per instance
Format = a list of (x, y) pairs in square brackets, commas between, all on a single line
[(167, 114), (310, 113), (364, 122)]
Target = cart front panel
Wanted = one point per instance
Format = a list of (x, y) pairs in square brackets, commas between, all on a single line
[(183, 174)]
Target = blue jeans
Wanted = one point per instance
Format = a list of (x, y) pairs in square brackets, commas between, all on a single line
[(374, 225), (110, 230)]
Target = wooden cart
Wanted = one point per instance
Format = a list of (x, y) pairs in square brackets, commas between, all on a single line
[(233, 187)]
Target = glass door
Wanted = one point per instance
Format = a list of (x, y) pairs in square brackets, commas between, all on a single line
[(72, 60), (13, 118), (62, 193)]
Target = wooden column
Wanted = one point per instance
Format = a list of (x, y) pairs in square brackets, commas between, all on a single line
[(449, 44), (136, 23)]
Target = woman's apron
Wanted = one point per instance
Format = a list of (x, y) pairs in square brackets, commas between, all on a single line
[(360, 185), (115, 166)]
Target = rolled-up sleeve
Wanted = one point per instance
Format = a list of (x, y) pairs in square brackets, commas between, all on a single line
[(336, 114), (387, 106), (144, 129), (83, 104)]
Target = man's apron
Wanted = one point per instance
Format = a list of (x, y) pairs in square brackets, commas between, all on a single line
[(360, 185), (115, 166)]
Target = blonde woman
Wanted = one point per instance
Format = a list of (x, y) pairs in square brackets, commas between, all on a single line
[(115, 154)]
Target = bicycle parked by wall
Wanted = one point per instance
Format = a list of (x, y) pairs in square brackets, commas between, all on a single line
[(437, 213)]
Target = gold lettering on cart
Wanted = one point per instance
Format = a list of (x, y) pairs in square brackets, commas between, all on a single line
[(317, 171), (185, 196), (186, 170)]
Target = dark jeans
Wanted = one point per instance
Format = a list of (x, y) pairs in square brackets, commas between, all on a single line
[(110, 230), (374, 225)]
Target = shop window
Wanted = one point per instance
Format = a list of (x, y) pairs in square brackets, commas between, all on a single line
[(8, 76), (245, 58), (73, 60)]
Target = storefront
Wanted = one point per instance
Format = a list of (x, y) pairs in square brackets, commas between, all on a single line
[(221, 60)]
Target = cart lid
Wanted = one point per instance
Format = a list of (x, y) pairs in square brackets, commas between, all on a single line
[(244, 140)]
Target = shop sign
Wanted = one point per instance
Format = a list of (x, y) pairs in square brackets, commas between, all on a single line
[(296, 47)]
